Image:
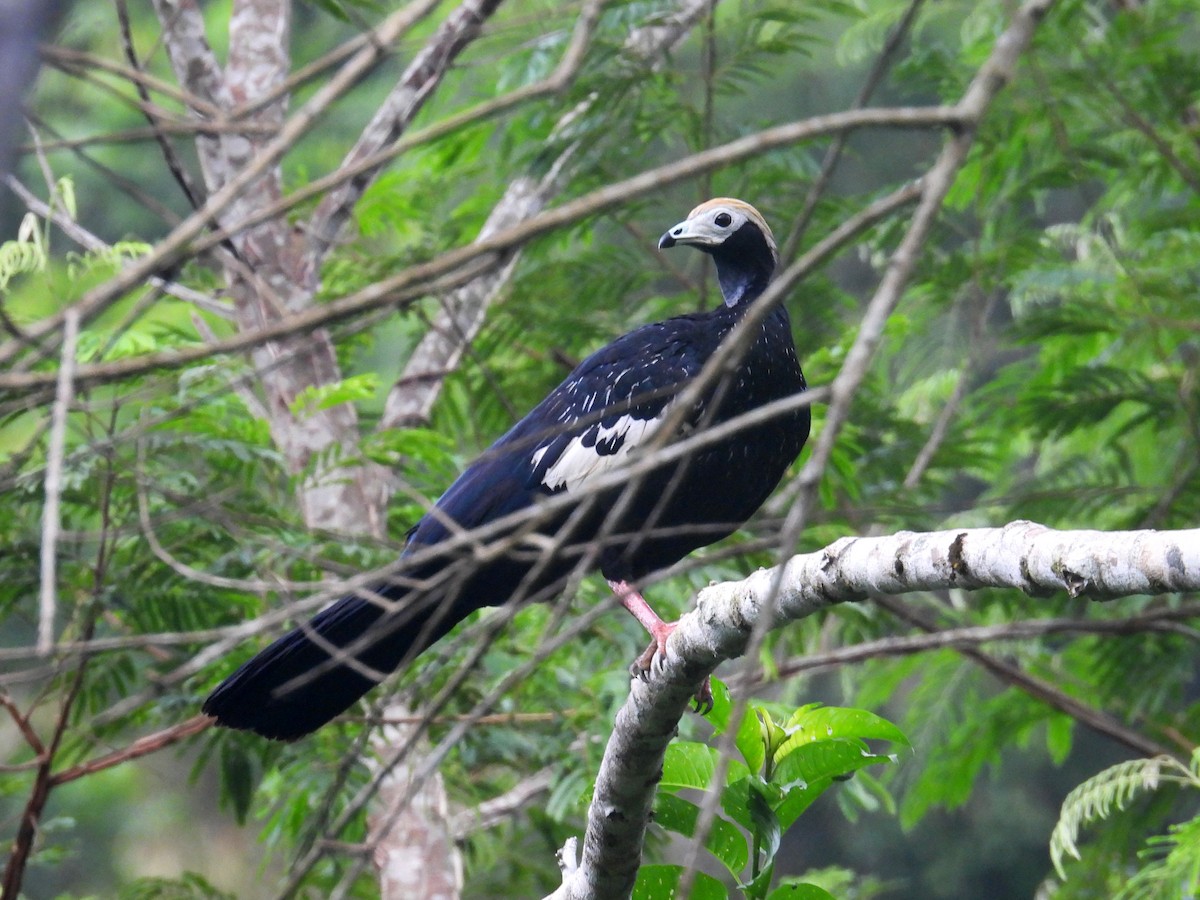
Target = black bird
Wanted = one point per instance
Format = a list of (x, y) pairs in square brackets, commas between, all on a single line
[(615, 401)]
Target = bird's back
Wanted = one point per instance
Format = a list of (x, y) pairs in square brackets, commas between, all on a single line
[(603, 416)]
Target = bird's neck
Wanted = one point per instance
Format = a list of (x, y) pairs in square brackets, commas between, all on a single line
[(741, 284)]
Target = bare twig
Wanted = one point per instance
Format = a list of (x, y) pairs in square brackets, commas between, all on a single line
[(1040, 689), (174, 165), (73, 60), (941, 427), (51, 518), (422, 278), (492, 812), (151, 743)]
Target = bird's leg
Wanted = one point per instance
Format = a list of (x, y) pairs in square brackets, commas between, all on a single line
[(659, 630)]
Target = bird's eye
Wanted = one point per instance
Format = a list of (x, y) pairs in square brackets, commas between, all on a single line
[(723, 219)]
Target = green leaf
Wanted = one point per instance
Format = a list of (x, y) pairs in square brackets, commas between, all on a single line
[(724, 841), (658, 882), (688, 764), (822, 723), (800, 892), (317, 397), (808, 771)]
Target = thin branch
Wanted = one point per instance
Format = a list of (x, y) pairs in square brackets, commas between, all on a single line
[(1189, 175), (143, 134), (168, 151), (1039, 688), (491, 813), (420, 279), (51, 517), (1159, 620), (941, 427), (151, 743), (72, 60)]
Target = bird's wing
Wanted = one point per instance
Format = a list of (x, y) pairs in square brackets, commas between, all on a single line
[(614, 402)]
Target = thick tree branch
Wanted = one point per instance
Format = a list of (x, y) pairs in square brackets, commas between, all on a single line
[(418, 82), (179, 243), (1022, 555), (409, 827)]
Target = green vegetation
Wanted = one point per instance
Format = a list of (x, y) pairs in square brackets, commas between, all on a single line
[(1043, 363)]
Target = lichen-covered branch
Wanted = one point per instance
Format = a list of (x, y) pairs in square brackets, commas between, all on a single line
[(1026, 556)]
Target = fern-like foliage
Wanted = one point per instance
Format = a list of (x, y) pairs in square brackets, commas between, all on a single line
[(1169, 874), (1114, 789)]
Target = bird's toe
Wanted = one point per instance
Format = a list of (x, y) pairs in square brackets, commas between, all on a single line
[(704, 698)]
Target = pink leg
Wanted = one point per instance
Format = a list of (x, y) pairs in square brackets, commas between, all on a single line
[(659, 630)]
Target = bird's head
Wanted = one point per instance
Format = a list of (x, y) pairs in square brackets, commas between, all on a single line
[(739, 240)]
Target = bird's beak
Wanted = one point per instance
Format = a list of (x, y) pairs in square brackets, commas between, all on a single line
[(691, 232)]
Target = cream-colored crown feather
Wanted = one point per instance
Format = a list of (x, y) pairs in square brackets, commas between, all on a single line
[(747, 210)]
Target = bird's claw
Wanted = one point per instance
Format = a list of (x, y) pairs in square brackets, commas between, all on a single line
[(653, 660)]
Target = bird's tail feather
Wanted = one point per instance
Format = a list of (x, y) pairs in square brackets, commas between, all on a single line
[(319, 669)]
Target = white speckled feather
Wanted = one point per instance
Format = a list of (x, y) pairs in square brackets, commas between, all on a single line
[(577, 463)]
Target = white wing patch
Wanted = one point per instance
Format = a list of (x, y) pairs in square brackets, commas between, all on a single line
[(596, 451)]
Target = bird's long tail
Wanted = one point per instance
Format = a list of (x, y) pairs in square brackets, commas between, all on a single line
[(296, 685)]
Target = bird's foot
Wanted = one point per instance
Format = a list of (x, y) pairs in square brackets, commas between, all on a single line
[(654, 657)]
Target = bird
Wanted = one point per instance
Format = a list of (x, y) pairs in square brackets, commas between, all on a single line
[(616, 402)]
